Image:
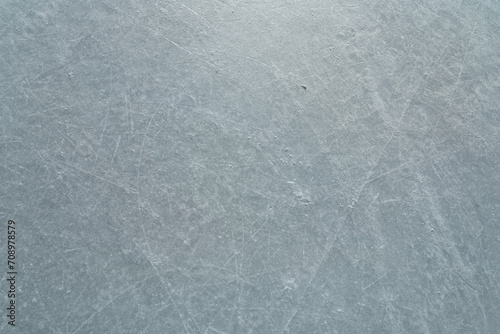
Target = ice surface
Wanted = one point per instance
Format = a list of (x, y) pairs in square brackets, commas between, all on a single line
[(252, 166)]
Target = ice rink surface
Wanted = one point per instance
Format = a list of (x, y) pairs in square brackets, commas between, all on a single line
[(266, 167)]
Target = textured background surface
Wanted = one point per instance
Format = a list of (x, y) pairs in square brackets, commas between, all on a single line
[(252, 167)]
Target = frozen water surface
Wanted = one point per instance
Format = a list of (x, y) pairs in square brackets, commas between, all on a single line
[(252, 166)]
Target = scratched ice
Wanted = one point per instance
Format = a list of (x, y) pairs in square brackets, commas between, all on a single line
[(252, 166)]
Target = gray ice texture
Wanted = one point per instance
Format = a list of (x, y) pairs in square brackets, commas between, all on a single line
[(266, 167)]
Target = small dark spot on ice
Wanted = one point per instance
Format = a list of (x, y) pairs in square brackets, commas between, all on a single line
[(303, 87)]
